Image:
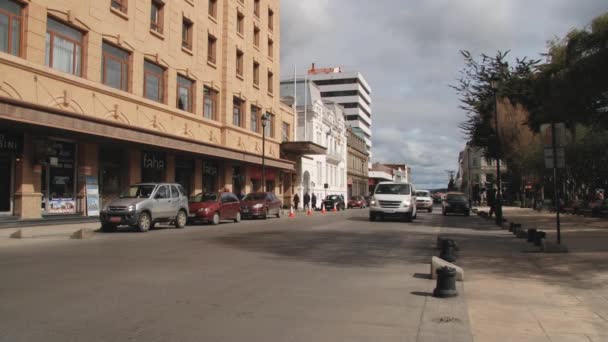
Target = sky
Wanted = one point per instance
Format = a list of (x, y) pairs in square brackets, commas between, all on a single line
[(408, 51)]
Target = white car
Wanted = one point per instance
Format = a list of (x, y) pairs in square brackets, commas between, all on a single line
[(424, 200), (393, 199)]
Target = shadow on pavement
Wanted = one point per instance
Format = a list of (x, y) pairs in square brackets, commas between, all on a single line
[(340, 248)]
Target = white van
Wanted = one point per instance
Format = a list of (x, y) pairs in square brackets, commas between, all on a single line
[(393, 199)]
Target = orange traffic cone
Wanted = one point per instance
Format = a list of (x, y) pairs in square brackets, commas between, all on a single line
[(323, 211), (291, 213), (334, 210), (309, 212)]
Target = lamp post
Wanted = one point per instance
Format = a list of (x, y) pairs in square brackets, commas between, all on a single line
[(495, 83), (264, 119), (469, 170)]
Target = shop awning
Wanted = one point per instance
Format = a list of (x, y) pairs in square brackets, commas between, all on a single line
[(302, 148)]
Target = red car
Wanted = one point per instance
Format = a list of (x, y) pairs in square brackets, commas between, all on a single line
[(214, 207), (357, 202), (260, 204)]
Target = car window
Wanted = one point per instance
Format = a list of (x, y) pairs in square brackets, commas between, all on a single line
[(181, 189), (163, 192), (456, 197), (254, 197), (233, 198), (138, 191), (393, 189), (422, 193), (174, 192)]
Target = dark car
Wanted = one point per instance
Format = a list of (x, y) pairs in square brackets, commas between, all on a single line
[(332, 201), (456, 202), (214, 207), (357, 202), (260, 205)]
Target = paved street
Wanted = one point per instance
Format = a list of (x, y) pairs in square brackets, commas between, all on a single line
[(324, 278)]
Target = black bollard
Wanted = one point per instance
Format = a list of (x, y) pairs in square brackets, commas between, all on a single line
[(447, 250), (531, 234), (538, 237), (446, 283)]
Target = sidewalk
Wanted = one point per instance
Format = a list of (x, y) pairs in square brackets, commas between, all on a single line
[(515, 293)]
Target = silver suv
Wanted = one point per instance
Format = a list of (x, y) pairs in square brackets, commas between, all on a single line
[(143, 205), (393, 199)]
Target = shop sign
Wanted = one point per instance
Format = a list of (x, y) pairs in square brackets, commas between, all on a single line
[(153, 160), (92, 190), (62, 206), (10, 143)]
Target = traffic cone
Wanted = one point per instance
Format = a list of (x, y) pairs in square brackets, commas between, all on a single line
[(291, 213), (323, 211), (309, 212), (334, 210)]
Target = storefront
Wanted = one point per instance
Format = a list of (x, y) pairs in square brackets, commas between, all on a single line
[(10, 150), (112, 173), (153, 166), (184, 173), (210, 175), (57, 162), (238, 181), (255, 177)]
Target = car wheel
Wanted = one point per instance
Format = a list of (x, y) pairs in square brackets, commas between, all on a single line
[(144, 222), (372, 217), (279, 213), (108, 228), (181, 219), (216, 219), (265, 216), (237, 219), (430, 210)]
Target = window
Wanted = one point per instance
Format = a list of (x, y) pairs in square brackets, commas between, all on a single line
[(270, 48), (162, 192), (256, 8), (187, 34), (185, 90), (255, 119), (154, 82), (256, 36), (270, 82), (211, 49), (174, 192), (240, 23), (156, 16), (120, 5), (63, 47), (238, 108), (256, 74), (210, 103), (239, 63), (285, 130), (269, 129), (270, 19), (10, 27), (213, 8), (115, 67)]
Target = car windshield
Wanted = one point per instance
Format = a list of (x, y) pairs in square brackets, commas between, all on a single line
[(422, 194), (255, 197), (393, 189), (138, 191), (457, 198), (211, 197), (332, 197)]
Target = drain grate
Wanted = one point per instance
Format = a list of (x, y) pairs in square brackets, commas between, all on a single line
[(447, 319)]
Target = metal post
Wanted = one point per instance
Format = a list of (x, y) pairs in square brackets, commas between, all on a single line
[(498, 199), (555, 196), (263, 119)]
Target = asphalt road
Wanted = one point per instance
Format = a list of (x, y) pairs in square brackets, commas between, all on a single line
[(336, 277)]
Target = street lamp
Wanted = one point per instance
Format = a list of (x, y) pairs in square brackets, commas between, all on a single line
[(495, 83), (265, 117)]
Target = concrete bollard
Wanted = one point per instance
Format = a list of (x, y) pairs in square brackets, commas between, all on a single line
[(446, 283), (82, 234)]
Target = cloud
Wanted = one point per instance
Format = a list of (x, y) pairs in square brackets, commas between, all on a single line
[(408, 50)]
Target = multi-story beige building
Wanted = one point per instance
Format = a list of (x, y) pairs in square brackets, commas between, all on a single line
[(357, 170), (113, 92)]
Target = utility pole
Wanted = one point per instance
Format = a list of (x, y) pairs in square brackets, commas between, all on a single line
[(498, 199)]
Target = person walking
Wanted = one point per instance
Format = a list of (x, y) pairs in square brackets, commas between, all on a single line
[(296, 201), (314, 201), (306, 201), (491, 200)]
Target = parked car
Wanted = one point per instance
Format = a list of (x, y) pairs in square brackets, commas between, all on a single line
[(143, 205), (456, 202), (424, 200), (332, 201), (393, 199), (215, 207), (357, 202), (260, 205)]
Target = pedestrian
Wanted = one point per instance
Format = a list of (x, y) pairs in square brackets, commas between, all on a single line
[(314, 201), (306, 201), (491, 200), (296, 201)]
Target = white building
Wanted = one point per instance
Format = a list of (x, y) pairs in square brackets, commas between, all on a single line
[(322, 123), (476, 173), (351, 90)]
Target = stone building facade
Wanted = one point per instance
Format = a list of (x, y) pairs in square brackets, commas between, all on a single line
[(112, 92), (357, 162)]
